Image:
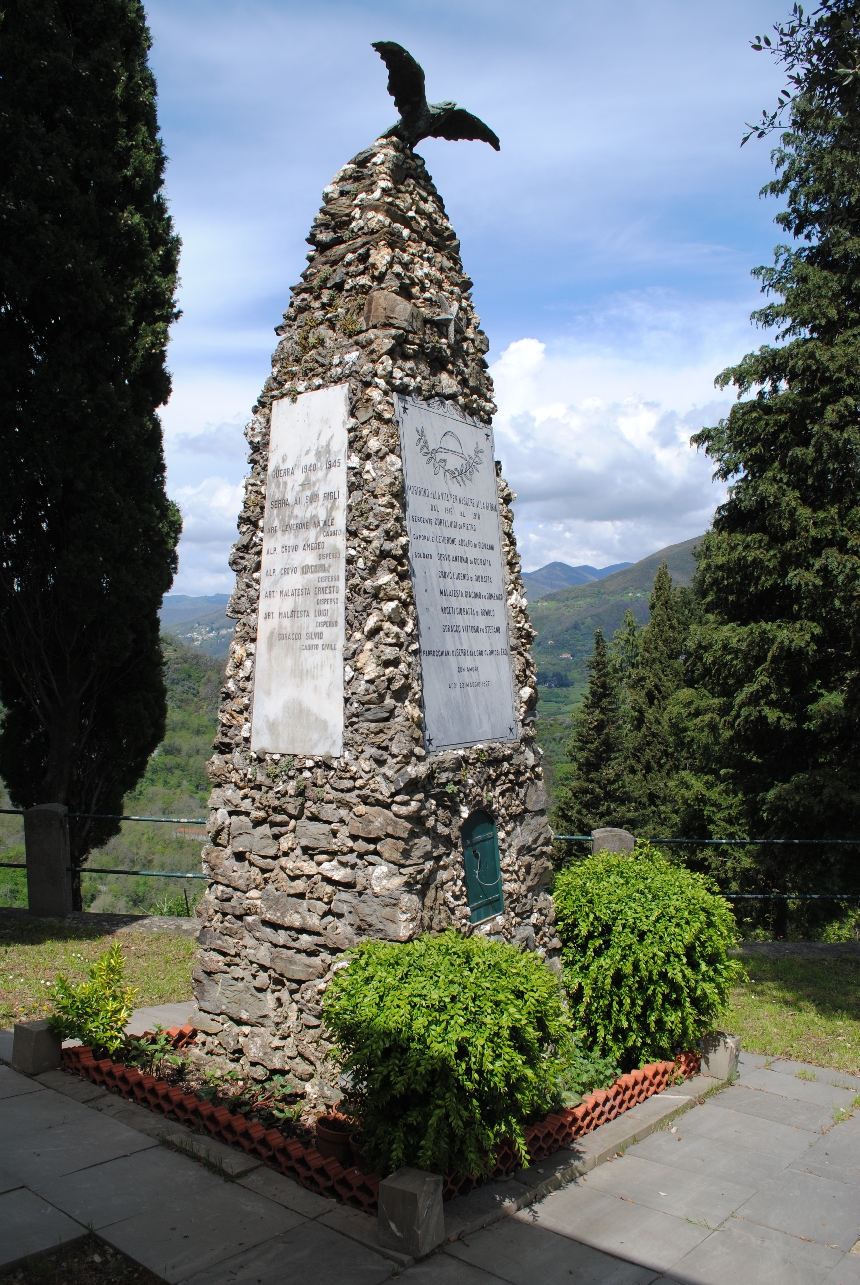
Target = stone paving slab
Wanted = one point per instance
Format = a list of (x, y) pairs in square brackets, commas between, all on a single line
[(734, 1161), (29, 1225), (442, 1269), (775, 1107), (13, 1084), (785, 1066), (751, 1255), (739, 1129), (43, 1130), (634, 1232), (803, 1204), (72, 1086), (310, 1255), (525, 1255), (845, 1273), (836, 1155), (364, 1228), (695, 1197), (798, 1090), (274, 1186)]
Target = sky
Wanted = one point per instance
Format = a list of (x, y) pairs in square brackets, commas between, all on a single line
[(610, 240)]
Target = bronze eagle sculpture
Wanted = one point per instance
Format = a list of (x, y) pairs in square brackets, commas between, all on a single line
[(418, 118)]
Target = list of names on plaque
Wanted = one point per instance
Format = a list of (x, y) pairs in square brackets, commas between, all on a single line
[(298, 681), (455, 553)]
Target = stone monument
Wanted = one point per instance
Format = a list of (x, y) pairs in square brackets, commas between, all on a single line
[(375, 770)]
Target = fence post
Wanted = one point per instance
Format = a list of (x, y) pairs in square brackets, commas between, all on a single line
[(46, 842)]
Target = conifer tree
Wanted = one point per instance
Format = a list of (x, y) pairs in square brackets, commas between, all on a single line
[(593, 797), (649, 745), (778, 653), (88, 537)]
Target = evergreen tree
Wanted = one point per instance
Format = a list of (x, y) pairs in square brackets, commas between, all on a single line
[(593, 797), (777, 657), (88, 537), (650, 759)]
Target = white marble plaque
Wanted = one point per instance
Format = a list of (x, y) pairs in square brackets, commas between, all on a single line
[(458, 577), (298, 681)]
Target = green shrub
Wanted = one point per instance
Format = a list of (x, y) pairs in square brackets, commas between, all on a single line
[(450, 1044), (96, 1011), (645, 958)]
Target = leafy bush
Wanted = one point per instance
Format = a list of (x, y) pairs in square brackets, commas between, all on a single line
[(450, 1044), (96, 1011), (645, 958)]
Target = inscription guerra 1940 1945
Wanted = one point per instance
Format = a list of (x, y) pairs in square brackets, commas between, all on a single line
[(455, 555), (298, 687)]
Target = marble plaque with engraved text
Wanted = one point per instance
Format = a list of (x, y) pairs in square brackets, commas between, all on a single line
[(455, 555), (298, 682)]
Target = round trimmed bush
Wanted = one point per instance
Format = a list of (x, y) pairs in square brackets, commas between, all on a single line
[(450, 1044), (645, 954)]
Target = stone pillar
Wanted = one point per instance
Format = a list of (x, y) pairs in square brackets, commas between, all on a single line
[(310, 853), (49, 878)]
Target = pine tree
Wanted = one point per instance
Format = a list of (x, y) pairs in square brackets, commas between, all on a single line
[(777, 657), (593, 796), (88, 537)]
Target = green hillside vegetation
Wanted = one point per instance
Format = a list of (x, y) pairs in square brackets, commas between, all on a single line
[(565, 622), (199, 622), (174, 784)]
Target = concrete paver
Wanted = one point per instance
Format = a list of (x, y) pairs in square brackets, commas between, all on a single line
[(524, 1255), (696, 1153), (311, 1253), (694, 1196), (775, 1107), (804, 1204), (816, 1092), (718, 1120), (744, 1253), (836, 1155), (616, 1226), (29, 1225), (12, 1084), (845, 1273), (163, 1015)]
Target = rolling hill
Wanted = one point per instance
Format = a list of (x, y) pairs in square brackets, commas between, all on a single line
[(560, 575), (198, 622)]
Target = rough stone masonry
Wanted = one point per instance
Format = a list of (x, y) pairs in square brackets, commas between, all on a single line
[(308, 855)]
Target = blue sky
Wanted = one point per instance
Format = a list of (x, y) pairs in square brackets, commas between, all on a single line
[(610, 241)]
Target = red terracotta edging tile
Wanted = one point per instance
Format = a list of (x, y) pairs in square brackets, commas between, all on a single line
[(306, 1166)]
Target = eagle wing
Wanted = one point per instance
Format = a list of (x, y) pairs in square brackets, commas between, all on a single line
[(405, 77), (458, 123)]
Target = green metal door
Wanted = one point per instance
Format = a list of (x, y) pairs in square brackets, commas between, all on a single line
[(483, 872)]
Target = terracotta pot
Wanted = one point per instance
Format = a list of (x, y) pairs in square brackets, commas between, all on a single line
[(355, 1148), (333, 1139)]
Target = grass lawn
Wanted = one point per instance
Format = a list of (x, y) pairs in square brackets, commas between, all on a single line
[(31, 956), (806, 1009)]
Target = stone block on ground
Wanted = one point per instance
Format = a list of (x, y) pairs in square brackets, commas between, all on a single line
[(36, 1048), (720, 1053), (610, 839), (29, 1226), (410, 1212)]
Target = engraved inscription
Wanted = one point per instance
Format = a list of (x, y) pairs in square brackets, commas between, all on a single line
[(455, 555), (298, 683)]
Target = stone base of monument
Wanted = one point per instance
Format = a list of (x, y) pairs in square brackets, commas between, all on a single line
[(410, 1212), (35, 1048)]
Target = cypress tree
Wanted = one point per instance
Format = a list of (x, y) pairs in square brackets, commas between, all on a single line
[(593, 796), (777, 656), (87, 277)]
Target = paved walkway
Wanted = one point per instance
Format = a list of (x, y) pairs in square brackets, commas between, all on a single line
[(755, 1186)]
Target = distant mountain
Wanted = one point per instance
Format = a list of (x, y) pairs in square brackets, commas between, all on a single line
[(559, 575), (566, 619), (199, 622)]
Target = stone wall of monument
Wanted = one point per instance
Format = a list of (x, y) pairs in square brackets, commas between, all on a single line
[(306, 856)]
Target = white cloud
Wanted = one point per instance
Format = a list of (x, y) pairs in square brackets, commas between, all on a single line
[(594, 435), (209, 512)]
